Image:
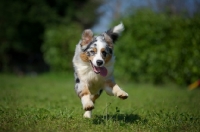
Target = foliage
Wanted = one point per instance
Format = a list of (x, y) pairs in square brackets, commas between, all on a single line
[(157, 47), (23, 24), (49, 103), (59, 45)]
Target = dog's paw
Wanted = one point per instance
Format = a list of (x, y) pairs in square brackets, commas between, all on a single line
[(122, 95), (88, 106), (87, 114)]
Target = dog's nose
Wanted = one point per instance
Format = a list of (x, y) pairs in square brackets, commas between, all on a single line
[(99, 62)]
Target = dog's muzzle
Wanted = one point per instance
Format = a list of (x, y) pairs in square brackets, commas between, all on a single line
[(99, 70)]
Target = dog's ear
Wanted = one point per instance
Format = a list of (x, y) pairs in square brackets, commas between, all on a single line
[(87, 37), (108, 39), (115, 32)]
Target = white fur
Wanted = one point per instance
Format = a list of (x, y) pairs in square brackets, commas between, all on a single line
[(87, 102), (116, 91), (85, 70), (108, 91), (119, 28), (95, 82), (100, 45), (87, 114)]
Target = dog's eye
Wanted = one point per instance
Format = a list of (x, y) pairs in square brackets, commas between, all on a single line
[(92, 52), (104, 53)]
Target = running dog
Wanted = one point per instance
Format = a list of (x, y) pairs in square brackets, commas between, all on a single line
[(93, 67)]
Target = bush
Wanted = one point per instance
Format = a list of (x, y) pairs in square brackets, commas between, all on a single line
[(59, 45), (159, 48)]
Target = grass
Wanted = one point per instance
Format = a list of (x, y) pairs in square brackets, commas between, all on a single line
[(49, 103)]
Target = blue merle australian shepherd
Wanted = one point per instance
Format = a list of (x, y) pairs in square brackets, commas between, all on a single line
[(93, 64)]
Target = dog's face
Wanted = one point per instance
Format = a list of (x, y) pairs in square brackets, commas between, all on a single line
[(98, 50)]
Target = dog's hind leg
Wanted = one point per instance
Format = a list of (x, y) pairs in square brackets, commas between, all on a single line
[(113, 89), (88, 114)]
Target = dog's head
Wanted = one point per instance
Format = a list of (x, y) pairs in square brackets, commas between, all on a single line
[(98, 50)]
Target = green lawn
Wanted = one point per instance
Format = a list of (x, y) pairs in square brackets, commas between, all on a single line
[(49, 103)]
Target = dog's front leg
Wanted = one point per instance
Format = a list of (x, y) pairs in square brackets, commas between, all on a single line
[(88, 105), (113, 89), (87, 102)]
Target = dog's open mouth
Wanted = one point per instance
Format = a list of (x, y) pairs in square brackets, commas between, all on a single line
[(99, 70)]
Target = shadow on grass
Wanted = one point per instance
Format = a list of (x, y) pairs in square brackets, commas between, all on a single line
[(126, 118)]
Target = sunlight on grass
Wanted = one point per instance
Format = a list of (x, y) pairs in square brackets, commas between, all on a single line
[(49, 103)]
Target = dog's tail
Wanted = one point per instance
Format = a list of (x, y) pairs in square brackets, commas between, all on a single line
[(115, 32)]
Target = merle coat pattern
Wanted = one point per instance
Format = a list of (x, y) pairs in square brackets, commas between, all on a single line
[(93, 67)]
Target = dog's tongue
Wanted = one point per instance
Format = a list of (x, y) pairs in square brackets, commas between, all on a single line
[(102, 70)]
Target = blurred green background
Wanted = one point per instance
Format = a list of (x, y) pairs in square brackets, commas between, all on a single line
[(160, 44)]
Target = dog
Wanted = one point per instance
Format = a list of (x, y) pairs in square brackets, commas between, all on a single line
[(93, 63)]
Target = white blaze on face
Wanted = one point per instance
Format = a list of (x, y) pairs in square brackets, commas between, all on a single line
[(98, 62), (100, 45)]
